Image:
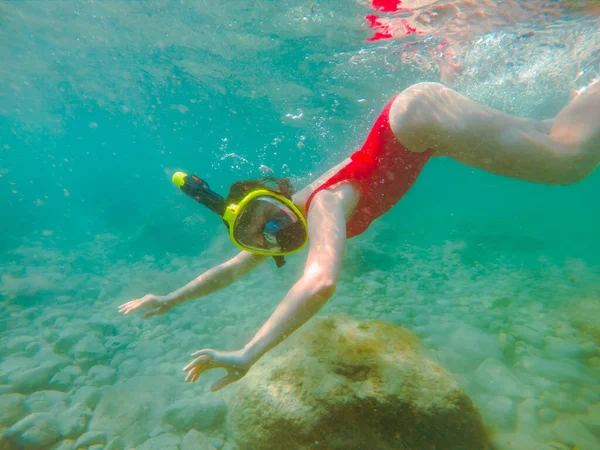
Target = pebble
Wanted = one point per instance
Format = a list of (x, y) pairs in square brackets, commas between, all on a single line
[(167, 441), (527, 417), (115, 443), (500, 411), (188, 413), (73, 421), (516, 441), (569, 429), (561, 349), (90, 438), (89, 351), (12, 409), (60, 382), (592, 420), (195, 440), (31, 380), (47, 401), (473, 344), (18, 344), (67, 444), (87, 395), (67, 340), (547, 415), (564, 402), (33, 348), (36, 431), (101, 375), (495, 378), (148, 350), (559, 371)]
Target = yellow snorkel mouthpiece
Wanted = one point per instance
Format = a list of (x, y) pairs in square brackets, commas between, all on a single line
[(179, 179)]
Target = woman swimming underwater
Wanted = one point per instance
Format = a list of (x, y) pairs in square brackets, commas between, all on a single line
[(424, 121)]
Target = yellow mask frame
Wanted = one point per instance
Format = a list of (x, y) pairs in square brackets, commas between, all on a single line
[(233, 211)]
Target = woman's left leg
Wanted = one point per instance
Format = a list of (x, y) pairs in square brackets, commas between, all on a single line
[(562, 151)]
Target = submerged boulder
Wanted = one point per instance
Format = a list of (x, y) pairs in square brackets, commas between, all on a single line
[(342, 384)]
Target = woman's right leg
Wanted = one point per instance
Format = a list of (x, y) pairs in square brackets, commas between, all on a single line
[(430, 115)]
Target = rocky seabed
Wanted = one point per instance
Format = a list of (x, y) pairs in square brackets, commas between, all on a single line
[(76, 375)]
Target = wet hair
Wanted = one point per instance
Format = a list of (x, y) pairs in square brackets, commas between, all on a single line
[(240, 189), (289, 238)]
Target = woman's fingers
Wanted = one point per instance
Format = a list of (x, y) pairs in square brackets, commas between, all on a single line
[(148, 301), (130, 306), (204, 351), (202, 359)]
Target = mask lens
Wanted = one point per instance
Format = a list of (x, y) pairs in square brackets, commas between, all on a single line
[(262, 222)]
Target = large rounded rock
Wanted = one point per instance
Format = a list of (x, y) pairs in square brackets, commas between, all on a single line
[(341, 384)]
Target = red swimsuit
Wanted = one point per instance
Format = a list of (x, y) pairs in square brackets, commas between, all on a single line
[(382, 171)]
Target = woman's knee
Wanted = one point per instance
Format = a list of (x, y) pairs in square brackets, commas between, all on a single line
[(413, 114)]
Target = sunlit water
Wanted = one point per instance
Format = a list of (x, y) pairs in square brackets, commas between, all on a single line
[(101, 101)]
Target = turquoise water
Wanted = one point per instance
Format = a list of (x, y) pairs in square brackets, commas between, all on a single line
[(101, 102)]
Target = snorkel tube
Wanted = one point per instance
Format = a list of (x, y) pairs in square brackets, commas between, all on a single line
[(200, 191)]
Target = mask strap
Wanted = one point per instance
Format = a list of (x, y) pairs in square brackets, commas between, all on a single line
[(280, 261)]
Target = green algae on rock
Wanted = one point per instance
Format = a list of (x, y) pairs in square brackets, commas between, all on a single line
[(342, 384)]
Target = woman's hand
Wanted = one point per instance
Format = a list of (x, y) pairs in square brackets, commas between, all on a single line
[(236, 363), (157, 304)]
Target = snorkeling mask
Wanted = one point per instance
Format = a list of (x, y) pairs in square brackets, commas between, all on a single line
[(263, 222)]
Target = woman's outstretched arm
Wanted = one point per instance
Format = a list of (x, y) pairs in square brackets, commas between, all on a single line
[(327, 228), (212, 280)]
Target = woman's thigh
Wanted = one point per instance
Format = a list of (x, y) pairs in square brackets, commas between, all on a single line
[(430, 115)]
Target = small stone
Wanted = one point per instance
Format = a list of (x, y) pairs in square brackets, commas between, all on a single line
[(12, 409), (547, 415), (33, 348), (527, 417), (15, 364), (38, 430), (501, 412), (60, 382), (79, 381), (148, 350), (195, 440), (167, 441), (188, 413), (592, 420), (73, 421), (31, 380), (87, 395), (118, 342), (53, 402), (529, 335), (559, 371), (216, 442), (474, 345), (115, 443), (514, 441), (90, 438), (6, 389), (18, 344), (563, 402), (102, 375), (496, 378), (89, 351), (67, 444), (67, 340), (562, 349), (129, 368), (572, 430)]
